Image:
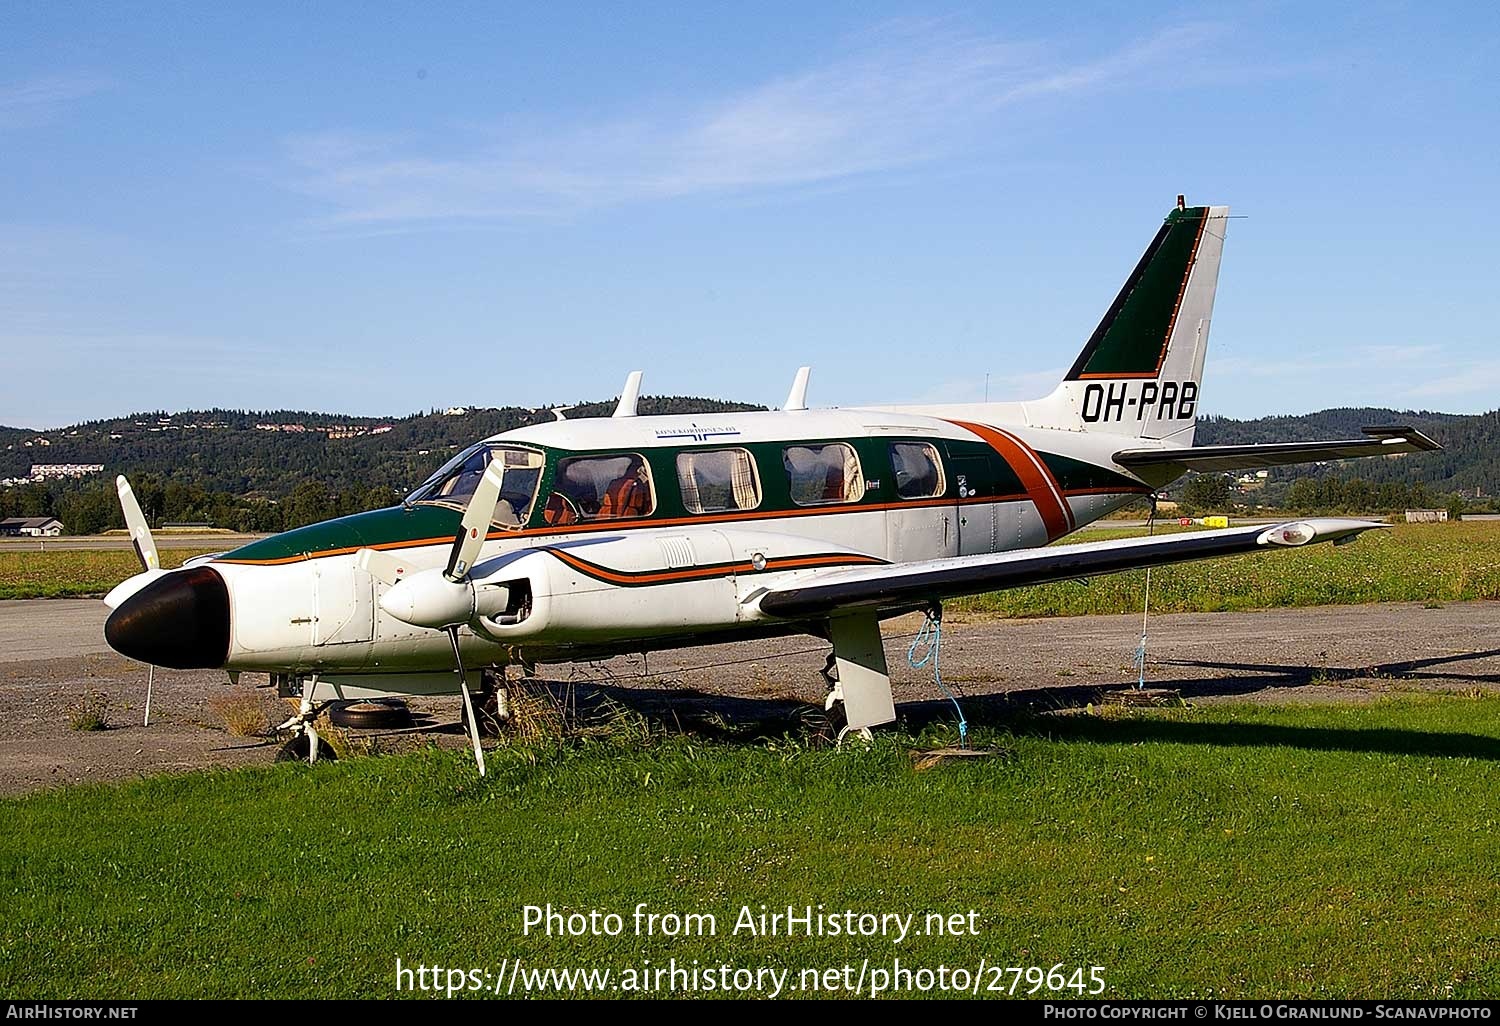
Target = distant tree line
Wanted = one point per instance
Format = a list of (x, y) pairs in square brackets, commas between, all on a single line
[(244, 479), (236, 476), (96, 507), (1320, 495)]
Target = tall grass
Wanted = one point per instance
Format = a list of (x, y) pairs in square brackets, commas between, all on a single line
[(1245, 852), (1409, 563), (62, 573)]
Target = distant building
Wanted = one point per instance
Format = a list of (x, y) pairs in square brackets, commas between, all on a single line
[(456, 411), (31, 527), (58, 471), (1426, 516), (354, 431)]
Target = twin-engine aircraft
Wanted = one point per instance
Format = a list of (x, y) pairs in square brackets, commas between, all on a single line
[(582, 539)]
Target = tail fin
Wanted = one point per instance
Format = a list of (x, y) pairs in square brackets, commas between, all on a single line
[(1140, 372)]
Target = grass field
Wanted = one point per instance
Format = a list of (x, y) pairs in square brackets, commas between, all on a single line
[(70, 572), (1410, 563), (1224, 851)]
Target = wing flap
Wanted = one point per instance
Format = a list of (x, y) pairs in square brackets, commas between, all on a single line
[(914, 584), (1379, 441)]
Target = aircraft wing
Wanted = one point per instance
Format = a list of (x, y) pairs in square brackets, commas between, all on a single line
[(911, 585), (1378, 441)]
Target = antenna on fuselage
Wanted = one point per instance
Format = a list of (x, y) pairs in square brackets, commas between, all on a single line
[(796, 399), (629, 395)]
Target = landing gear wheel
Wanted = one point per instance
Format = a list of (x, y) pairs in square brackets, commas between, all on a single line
[(298, 750), (838, 724), (855, 737), (812, 721)]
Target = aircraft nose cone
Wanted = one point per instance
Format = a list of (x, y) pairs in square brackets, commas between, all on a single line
[(180, 621)]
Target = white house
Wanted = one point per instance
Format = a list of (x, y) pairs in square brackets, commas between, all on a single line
[(33, 527)]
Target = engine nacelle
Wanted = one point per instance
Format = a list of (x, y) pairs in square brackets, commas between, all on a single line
[(429, 599)]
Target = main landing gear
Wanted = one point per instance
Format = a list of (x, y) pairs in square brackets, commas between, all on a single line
[(859, 695)]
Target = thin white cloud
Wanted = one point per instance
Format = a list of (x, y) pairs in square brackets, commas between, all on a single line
[(979, 387), (39, 100), (1384, 375), (903, 95), (1475, 377), (1385, 357)]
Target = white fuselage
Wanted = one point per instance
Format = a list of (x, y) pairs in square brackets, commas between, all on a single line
[(625, 585)]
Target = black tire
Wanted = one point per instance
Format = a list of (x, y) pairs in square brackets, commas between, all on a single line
[(372, 714), (816, 724), (295, 750)]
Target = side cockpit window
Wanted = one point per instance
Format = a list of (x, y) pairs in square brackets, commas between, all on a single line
[(918, 470), (600, 488), (823, 474), (455, 482)]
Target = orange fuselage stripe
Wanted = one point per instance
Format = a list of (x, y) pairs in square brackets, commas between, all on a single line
[(721, 570), (1041, 486)]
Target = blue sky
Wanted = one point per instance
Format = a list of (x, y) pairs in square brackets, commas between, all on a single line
[(379, 209)]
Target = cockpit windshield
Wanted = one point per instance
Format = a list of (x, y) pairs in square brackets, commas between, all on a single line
[(455, 481)]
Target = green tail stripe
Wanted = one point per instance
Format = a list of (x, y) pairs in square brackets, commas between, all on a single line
[(1132, 337)]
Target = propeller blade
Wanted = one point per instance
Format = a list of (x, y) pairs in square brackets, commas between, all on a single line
[(476, 523), (463, 689), (135, 520), (382, 566)]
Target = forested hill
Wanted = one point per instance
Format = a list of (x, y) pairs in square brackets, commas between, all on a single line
[(1470, 458), (267, 453), (268, 471)]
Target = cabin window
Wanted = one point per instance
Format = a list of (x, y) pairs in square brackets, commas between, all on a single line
[(718, 480), (918, 470), (600, 488), (823, 474)]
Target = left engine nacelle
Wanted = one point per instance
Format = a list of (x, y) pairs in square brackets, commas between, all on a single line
[(430, 599)]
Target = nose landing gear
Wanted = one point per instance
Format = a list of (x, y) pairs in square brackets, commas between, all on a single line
[(305, 745)]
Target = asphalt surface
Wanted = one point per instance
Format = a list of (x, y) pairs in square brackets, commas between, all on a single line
[(53, 655)]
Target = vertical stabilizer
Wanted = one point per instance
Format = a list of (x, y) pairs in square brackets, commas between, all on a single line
[(1141, 371)]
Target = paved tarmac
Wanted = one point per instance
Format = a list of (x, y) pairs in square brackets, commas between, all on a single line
[(53, 654)]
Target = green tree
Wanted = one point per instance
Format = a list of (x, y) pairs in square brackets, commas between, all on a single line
[(1207, 493), (311, 501)]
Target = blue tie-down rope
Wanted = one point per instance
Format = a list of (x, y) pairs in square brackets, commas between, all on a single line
[(930, 638)]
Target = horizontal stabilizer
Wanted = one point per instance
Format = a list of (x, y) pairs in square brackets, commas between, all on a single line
[(1379, 441), (912, 585)]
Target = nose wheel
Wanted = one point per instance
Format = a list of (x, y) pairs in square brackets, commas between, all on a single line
[(305, 745)]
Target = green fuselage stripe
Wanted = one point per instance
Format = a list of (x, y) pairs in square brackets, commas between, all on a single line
[(968, 464)]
